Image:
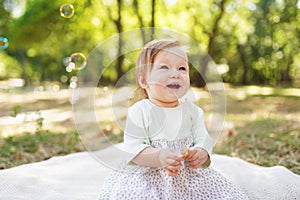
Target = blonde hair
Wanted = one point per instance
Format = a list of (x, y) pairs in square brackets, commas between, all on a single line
[(145, 62)]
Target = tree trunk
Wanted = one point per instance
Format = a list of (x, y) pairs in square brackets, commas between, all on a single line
[(153, 19), (119, 26), (212, 36), (136, 9), (21, 58), (285, 73), (245, 62)]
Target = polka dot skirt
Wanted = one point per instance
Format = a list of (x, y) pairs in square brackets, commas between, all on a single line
[(137, 182)]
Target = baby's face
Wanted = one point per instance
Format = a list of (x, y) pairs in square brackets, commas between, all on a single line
[(169, 78)]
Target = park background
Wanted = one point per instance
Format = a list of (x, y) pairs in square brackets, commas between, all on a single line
[(254, 43)]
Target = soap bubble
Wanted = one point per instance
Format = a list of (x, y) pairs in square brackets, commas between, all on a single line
[(73, 85), (64, 78), (77, 61), (3, 43), (67, 10), (70, 67), (66, 61), (74, 79)]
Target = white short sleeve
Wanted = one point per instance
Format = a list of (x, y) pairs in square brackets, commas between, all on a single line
[(201, 137), (135, 135)]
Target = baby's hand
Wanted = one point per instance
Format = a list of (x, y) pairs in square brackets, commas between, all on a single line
[(196, 157), (170, 161)]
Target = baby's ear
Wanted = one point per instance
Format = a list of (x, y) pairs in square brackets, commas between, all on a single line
[(142, 81)]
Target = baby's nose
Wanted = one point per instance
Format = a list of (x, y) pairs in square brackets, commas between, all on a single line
[(174, 73)]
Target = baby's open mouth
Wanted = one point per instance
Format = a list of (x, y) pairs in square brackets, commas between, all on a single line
[(173, 86)]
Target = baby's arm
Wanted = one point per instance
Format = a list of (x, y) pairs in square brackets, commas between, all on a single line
[(203, 143), (159, 157)]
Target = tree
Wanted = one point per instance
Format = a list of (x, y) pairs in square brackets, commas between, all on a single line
[(258, 40), (274, 42)]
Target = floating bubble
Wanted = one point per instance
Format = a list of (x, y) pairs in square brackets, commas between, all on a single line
[(73, 85), (67, 10), (64, 78), (3, 43), (74, 79), (55, 87), (66, 61), (77, 61), (69, 68)]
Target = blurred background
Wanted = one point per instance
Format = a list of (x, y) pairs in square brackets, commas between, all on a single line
[(254, 43)]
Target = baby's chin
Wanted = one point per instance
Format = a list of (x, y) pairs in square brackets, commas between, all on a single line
[(165, 102), (171, 100)]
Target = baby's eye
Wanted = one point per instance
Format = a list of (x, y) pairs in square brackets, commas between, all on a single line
[(164, 67), (182, 68)]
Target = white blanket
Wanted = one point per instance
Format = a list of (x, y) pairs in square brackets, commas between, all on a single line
[(80, 176)]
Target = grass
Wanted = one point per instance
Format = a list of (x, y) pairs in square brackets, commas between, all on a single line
[(265, 131), (28, 147), (265, 143)]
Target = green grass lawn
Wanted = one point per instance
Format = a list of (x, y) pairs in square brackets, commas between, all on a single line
[(265, 130), (28, 147)]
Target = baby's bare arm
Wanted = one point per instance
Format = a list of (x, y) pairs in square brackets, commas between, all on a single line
[(159, 157)]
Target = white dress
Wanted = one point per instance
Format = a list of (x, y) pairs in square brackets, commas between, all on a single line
[(175, 128)]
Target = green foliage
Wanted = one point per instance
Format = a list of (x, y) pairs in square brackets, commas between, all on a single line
[(9, 66), (269, 53), (39, 121), (257, 39), (16, 110)]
